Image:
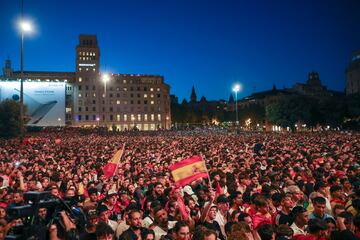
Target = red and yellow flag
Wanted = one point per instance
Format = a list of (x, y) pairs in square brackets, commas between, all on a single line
[(188, 170), (110, 168)]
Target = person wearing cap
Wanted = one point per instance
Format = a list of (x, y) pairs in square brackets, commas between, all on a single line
[(103, 215), (90, 227), (222, 215), (300, 219), (112, 204), (211, 223)]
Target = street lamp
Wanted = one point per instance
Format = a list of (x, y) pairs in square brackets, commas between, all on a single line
[(105, 78), (25, 26), (236, 89)]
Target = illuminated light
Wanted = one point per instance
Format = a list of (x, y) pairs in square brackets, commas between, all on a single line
[(87, 64), (25, 26), (237, 87)]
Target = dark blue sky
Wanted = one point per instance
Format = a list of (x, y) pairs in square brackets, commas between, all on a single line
[(206, 43)]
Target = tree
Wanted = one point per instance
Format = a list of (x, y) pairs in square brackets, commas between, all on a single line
[(287, 111), (10, 123)]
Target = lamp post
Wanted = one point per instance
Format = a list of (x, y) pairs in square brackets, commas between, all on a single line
[(24, 27), (105, 78), (236, 89)]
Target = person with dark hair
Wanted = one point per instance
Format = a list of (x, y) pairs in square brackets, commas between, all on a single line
[(135, 229), (319, 209), (162, 223), (337, 196), (283, 232), (235, 202), (147, 234), (244, 217), (300, 218), (266, 232), (181, 231), (104, 231), (283, 216)]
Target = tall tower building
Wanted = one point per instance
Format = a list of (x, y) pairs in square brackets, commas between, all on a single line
[(7, 70), (353, 74), (87, 90), (193, 95)]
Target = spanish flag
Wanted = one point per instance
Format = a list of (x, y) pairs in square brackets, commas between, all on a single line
[(188, 170), (110, 168)]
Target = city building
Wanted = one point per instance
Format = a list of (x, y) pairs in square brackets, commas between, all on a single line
[(120, 101), (353, 74)]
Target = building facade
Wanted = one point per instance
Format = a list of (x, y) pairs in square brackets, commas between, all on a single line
[(123, 102), (353, 74)]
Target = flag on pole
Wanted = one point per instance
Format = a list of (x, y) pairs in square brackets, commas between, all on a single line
[(110, 168), (188, 170)]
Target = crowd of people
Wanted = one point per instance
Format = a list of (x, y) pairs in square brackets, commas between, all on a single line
[(260, 186)]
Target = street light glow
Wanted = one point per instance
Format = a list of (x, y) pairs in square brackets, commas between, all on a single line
[(105, 77), (237, 88), (25, 26)]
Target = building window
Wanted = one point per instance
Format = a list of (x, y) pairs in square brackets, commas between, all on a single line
[(131, 95), (158, 95), (94, 94), (86, 117), (152, 117), (125, 117), (139, 117), (79, 87), (145, 89), (86, 109), (124, 81), (94, 109), (117, 102), (86, 87), (94, 117), (159, 117), (145, 95), (152, 95), (94, 88), (111, 109), (151, 89), (138, 95), (158, 89), (79, 94), (125, 89), (131, 102), (80, 102), (118, 95), (79, 117), (94, 102), (118, 117), (145, 102), (139, 102), (111, 117), (79, 109), (111, 95), (152, 102), (138, 88), (80, 69), (145, 117)]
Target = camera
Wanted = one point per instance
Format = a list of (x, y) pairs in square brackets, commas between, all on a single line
[(32, 227)]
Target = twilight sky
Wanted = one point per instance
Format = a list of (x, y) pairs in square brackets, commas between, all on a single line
[(207, 43)]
